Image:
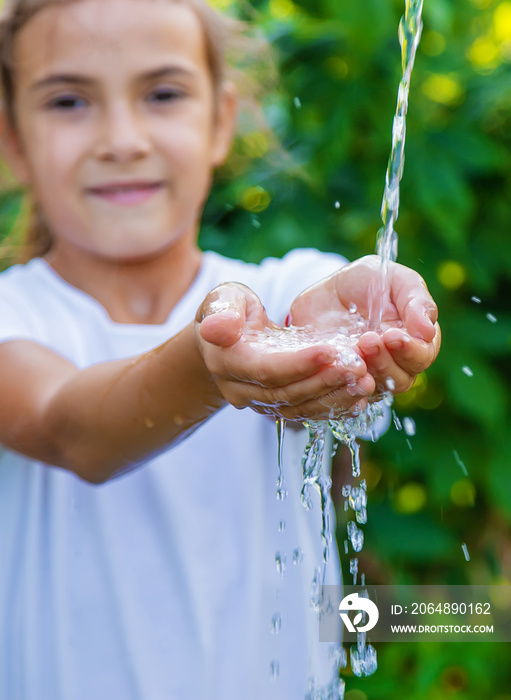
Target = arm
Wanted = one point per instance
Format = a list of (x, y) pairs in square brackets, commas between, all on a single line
[(100, 421)]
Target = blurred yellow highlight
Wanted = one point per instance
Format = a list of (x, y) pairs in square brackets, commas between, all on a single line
[(445, 89), (355, 694), (220, 4), (282, 9), (411, 498), (451, 274), (256, 144), (463, 493), (502, 21), (501, 596), (484, 53), (337, 67), (433, 43), (255, 199)]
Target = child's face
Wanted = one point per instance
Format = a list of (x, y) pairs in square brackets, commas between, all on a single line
[(116, 127)]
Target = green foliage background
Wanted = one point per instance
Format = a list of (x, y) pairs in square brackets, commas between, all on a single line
[(326, 140)]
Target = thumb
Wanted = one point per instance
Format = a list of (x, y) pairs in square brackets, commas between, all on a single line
[(222, 315)]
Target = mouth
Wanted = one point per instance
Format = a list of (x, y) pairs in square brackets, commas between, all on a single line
[(126, 193)]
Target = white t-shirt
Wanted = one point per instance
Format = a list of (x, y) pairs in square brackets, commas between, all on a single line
[(160, 584)]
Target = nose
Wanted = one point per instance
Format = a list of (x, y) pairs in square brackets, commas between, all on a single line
[(122, 136)]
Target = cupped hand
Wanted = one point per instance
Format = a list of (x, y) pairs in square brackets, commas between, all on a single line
[(408, 339), (301, 382)]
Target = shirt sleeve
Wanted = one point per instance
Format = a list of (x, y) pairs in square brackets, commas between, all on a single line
[(16, 318)]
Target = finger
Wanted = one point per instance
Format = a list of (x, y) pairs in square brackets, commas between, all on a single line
[(325, 387), (256, 363), (222, 328), (414, 303), (382, 365), (223, 314), (411, 354)]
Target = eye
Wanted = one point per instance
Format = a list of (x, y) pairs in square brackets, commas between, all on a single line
[(165, 94), (66, 103)]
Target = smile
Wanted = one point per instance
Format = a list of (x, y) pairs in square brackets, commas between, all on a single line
[(126, 194)]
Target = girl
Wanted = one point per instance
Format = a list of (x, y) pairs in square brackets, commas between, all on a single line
[(138, 552)]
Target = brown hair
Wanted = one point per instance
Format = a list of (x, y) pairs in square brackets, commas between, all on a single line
[(218, 31)]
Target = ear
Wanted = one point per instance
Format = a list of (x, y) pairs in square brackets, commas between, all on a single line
[(10, 148), (225, 122)]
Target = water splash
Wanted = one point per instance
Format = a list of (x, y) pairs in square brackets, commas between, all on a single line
[(281, 425), (276, 623), (410, 29), (274, 670), (297, 556), (280, 563), (363, 657), (346, 430), (409, 426), (460, 463)]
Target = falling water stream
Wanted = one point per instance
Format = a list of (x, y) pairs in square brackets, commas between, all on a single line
[(347, 429)]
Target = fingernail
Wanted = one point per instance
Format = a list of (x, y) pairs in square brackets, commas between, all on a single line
[(356, 390), (325, 358), (395, 344), (372, 351)]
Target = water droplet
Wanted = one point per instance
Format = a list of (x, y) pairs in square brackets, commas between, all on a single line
[(465, 551), (335, 690), (274, 670), (282, 526), (346, 490), (346, 546), (409, 426), (460, 463), (315, 594), (362, 579), (361, 516), (466, 370), (281, 495), (297, 102), (338, 657), (396, 420), (409, 444), (337, 205), (358, 498), (280, 562), (354, 569), (255, 222), (353, 308), (390, 384), (276, 623), (356, 536), (491, 318), (476, 300), (363, 660), (297, 556)]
